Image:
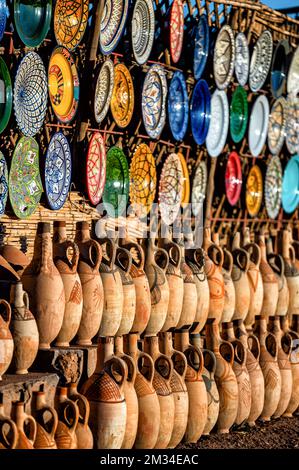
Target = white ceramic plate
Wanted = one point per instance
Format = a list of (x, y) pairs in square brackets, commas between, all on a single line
[(224, 57), (293, 75), (292, 125), (258, 126), (242, 61), (261, 61), (218, 130)]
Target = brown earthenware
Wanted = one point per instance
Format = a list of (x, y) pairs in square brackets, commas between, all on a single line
[(46, 421), (26, 426), (6, 340), (68, 417), (240, 279), (270, 283), (123, 262), (8, 431), (83, 433)]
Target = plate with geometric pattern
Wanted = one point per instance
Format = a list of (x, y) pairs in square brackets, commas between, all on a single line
[(143, 30), (261, 61), (171, 189), (96, 168), (113, 23), (199, 188), (224, 57), (277, 126), (154, 95), (273, 187), (3, 183), (201, 46), (70, 21), (104, 90), (143, 180), (176, 30)]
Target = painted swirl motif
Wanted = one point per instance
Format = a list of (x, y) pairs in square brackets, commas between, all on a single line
[(261, 61), (96, 168), (176, 30), (3, 183), (112, 24), (154, 94), (143, 30), (224, 57), (143, 179), (104, 90), (277, 126), (122, 100), (273, 187), (170, 189), (242, 59), (70, 21), (292, 125)]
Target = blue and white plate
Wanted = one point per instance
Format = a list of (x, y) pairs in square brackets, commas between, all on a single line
[(200, 111), (201, 47), (178, 106), (290, 186), (3, 183), (154, 94), (113, 23), (143, 30)]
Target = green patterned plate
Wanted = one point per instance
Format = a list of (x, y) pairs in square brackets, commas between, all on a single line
[(5, 95), (238, 114), (116, 192)]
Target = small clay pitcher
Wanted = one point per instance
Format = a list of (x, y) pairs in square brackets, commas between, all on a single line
[(15, 257), (26, 426), (291, 272), (83, 432), (8, 431), (68, 417), (270, 283), (277, 264), (6, 340), (46, 421), (66, 258), (240, 279), (123, 262)]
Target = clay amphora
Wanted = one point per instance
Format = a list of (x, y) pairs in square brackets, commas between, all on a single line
[(15, 257), (123, 262), (277, 264), (178, 388), (26, 426), (83, 432), (270, 284), (68, 417), (291, 271), (198, 400), (256, 376), (294, 360), (66, 258), (8, 431), (155, 269), (92, 287), (130, 395), (240, 279), (46, 421), (190, 299), (270, 368), (105, 393), (24, 331), (224, 376), (7, 277), (6, 340)]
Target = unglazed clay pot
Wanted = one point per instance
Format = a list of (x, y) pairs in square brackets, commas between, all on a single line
[(123, 262), (277, 264), (8, 431), (6, 341), (270, 284), (240, 279), (291, 272), (46, 421), (15, 257), (26, 426), (24, 331), (68, 417), (83, 432), (92, 287), (7, 277), (294, 360), (66, 258), (31, 271)]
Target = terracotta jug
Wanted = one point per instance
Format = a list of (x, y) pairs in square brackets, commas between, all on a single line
[(123, 262), (241, 373), (92, 287), (31, 271), (155, 268), (291, 271), (46, 421), (256, 376), (224, 376), (294, 361), (68, 417), (148, 402), (8, 431), (178, 388), (270, 284), (240, 279), (163, 369), (6, 340), (66, 258), (26, 426), (198, 400), (7, 277), (83, 432), (277, 264), (105, 393), (270, 368), (15, 257), (130, 395), (24, 331)]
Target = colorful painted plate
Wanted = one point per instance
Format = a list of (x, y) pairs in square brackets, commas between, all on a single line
[(176, 30), (242, 61), (154, 95), (258, 125), (201, 46), (186, 181), (5, 95), (70, 21), (218, 130), (122, 100), (3, 183), (279, 69), (261, 61), (143, 30), (254, 191), (96, 168), (277, 126), (63, 82), (238, 114), (273, 187), (224, 57), (143, 180), (292, 127), (32, 20), (113, 23), (178, 106), (290, 186), (233, 178), (200, 111), (199, 188), (25, 186), (116, 191), (30, 94), (3, 17), (104, 90), (293, 75), (58, 171), (171, 189)]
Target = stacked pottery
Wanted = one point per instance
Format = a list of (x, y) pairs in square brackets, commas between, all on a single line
[(83, 432), (123, 262), (291, 272), (270, 283), (68, 417), (278, 266), (240, 279), (26, 426), (8, 431), (46, 426), (6, 340), (15, 257)]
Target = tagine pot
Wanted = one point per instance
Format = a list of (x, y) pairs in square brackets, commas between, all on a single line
[(123, 262), (83, 433), (8, 431), (26, 426), (68, 417), (6, 340), (46, 421)]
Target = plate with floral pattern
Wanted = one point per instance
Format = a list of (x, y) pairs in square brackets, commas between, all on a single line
[(116, 191), (218, 130), (3, 183), (143, 180), (143, 30), (224, 57), (104, 90), (199, 188), (277, 126), (154, 94), (122, 100), (113, 23), (70, 21), (261, 61), (273, 187), (170, 189), (96, 168)]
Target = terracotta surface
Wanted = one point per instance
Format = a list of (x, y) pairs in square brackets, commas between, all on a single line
[(8, 431), (291, 272), (83, 433), (240, 279), (68, 417), (190, 298), (123, 262), (6, 340), (278, 266), (26, 436), (46, 420), (270, 283), (15, 257)]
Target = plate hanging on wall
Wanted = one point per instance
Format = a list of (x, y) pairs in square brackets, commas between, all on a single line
[(32, 20), (122, 100), (170, 189), (70, 21), (273, 187), (290, 186), (116, 191), (261, 61), (242, 60), (113, 22), (3, 183), (186, 181), (277, 126), (293, 75), (233, 178), (280, 67), (254, 191), (199, 188), (218, 130), (104, 90), (154, 95), (292, 128), (143, 180), (6, 102), (143, 30), (224, 57), (201, 46), (176, 30), (3, 17), (96, 168), (178, 106), (238, 114), (258, 125), (200, 111)]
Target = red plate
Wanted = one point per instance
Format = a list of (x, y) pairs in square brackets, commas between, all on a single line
[(176, 30), (233, 178), (96, 168)]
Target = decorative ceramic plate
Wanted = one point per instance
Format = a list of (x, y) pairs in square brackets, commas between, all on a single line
[(178, 106), (242, 61), (292, 125), (25, 186), (3, 183), (290, 186), (70, 21), (199, 188), (254, 191), (32, 20), (200, 111), (186, 181), (233, 178), (258, 125), (58, 171), (293, 76), (238, 114), (122, 100), (279, 69), (170, 189), (154, 95), (261, 61), (224, 57), (96, 168), (5, 95), (201, 46), (273, 187), (3, 17), (143, 180), (116, 191), (218, 130), (113, 23), (30, 94), (143, 30), (176, 30), (64, 87), (277, 126), (104, 90)]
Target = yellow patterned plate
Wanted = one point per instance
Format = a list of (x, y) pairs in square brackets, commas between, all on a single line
[(70, 21), (186, 181), (254, 191), (143, 180), (122, 101)]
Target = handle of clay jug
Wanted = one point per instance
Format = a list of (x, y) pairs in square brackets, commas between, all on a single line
[(7, 317), (199, 257), (241, 259), (135, 246), (277, 263), (182, 359), (292, 253), (191, 351), (132, 370), (239, 351), (119, 363), (151, 367), (123, 259), (287, 344), (228, 261), (26, 300), (255, 347), (161, 258), (207, 352), (254, 252), (165, 359), (174, 253), (226, 350), (271, 345), (216, 254), (95, 248), (32, 428), (69, 404), (53, 412), (110, 251), (76, 254), (12, 430), (82, 401)]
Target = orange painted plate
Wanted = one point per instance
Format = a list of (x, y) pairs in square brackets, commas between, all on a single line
[(122, 101), (70, 21), (254, 191), (96, 168), (143, 180), (186, 181)]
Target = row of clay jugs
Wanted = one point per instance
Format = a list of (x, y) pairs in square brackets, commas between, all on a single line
[(294, 361), (46, 421), (6, 340), (240, 279), (291, 271), (123, 262), (270, 283), (25, 424), (68, 418), (83, 432), (8, 430)]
